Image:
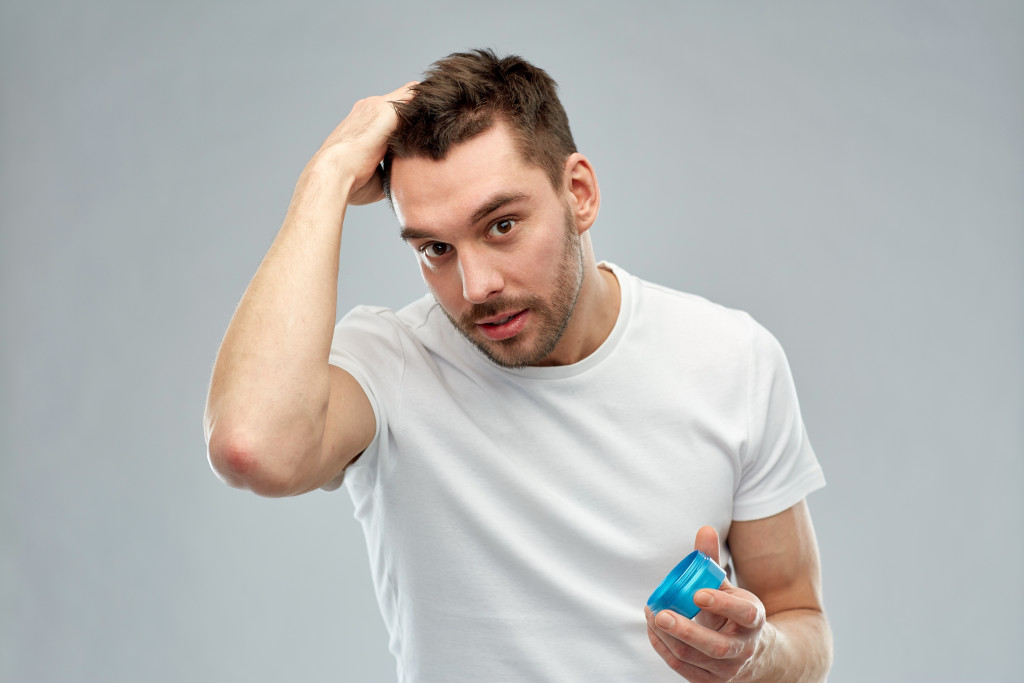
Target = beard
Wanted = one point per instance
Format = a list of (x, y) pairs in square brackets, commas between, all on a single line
[(550, 318)]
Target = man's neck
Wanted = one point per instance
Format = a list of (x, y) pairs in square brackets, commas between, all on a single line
[(597, 309)]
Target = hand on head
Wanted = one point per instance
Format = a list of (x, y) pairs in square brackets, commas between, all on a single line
[(357, 146)]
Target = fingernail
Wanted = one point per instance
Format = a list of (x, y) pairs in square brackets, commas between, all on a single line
[(664, 620), (704, 598)]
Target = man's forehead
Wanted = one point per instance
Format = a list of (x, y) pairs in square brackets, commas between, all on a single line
[(475, 173)]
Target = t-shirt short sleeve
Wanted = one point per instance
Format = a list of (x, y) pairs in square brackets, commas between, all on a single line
[(368, 346), (779, 467)]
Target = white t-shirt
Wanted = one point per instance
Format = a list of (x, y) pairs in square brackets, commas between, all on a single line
[(517, 520)]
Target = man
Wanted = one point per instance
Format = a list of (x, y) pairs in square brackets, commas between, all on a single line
[(529, 448)]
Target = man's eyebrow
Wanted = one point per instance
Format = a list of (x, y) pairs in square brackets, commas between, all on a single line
[(496, 202), (491, 205), (413, 233)]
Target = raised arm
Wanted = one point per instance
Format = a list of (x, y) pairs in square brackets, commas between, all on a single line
[(279, 419)]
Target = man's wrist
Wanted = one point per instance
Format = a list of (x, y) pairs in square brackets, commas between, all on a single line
[(754, 669), (796, 647), (324, 187)]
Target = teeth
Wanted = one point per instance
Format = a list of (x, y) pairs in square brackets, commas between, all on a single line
[(501, 322)]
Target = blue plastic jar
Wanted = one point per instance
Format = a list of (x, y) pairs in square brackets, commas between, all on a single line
[(676, 592)]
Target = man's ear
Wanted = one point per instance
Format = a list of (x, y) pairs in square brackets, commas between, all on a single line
[(584, 195)]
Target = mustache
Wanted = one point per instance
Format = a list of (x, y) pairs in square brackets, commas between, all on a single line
[(500, 305)]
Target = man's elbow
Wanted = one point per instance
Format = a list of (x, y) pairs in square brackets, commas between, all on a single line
[(242, 463)]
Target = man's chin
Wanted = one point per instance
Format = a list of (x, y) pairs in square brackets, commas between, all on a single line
[(506, 353), (516, 353)]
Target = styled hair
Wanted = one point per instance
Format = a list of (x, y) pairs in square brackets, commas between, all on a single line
[(465, 94)]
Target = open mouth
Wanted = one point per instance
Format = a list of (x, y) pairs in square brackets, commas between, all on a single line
[(504, 326), (504, 320)]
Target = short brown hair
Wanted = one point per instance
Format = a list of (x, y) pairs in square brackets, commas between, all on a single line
[(466, 93)]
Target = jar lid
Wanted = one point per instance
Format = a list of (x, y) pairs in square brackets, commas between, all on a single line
[(697, 571)]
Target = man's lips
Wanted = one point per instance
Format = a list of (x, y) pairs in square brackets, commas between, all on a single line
[(497, 319), (504, 325)]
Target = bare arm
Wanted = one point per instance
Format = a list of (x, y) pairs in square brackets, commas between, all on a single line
[(777, 560), (279, 419), (771, 627)]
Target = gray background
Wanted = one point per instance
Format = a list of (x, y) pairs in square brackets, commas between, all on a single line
[(850, 173)]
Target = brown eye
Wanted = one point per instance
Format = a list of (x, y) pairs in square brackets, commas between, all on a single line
[(433, 250), (502, 227)]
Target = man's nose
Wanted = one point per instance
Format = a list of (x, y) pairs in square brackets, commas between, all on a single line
[(481, 277)]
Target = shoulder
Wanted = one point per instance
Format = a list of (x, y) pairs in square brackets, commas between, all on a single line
[(386, 322), (662, 298), (686, 317), (696, 330), (374, 334)]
